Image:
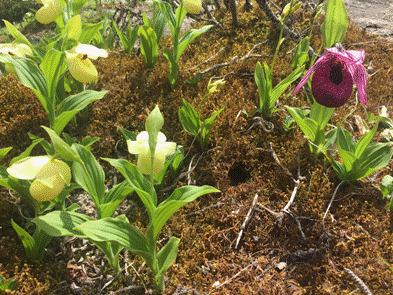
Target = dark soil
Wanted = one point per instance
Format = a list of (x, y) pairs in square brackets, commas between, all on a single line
[(297, 253)]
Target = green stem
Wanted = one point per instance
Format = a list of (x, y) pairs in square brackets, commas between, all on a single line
[(278, 46), (176, 38)]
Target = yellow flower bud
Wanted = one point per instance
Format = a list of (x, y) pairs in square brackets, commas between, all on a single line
[(212, 87), (49, 12), (192, 6), (141, 148)]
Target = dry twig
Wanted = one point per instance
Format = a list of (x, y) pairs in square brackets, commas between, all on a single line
[(246, 220), (358, 281), (235, 276)]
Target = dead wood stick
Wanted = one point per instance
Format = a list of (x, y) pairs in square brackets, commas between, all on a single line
[(204, 209), (331, 201), (235, 276), (246, 220), (358, 281), (206, 61)]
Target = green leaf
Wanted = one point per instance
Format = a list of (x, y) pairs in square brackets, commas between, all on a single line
[(128, 40), (123, 38), (158, 22), (207, 126), (283, 85), (4, 152), (73, 104), (188, 37), (118, 230), (149, 47), (345, 140), (19, 37), (61, 223), (77, 6), (167, 11), (10, 285), (137, 181), (301, 53), (363, 143), (335, 24), (114, 197), (176, 200), (74, 27), (173, 65), (29, 75), (167, 256), (264, 84), (89, 31), (88, 141), (53, 66), (308, 126), (321, 114), (65, 151), (128, 135), (189, 119), (89, 174), (387, 189), (44, 143), (27, 240)]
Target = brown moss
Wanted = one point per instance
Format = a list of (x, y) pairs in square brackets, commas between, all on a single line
[(357, 229)]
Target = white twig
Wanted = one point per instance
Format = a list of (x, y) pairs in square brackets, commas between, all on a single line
[(331, 201), (246, 220), (235, 276)]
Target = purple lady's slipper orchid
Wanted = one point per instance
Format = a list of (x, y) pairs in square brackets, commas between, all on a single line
[(334, 74)]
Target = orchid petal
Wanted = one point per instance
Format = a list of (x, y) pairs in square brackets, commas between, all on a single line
[(319, 63), (142, 137), (170, 148), (91, 51), (81, 69), (359, 76), (28, 168)]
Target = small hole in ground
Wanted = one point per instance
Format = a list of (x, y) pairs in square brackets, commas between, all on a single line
[(238, 174)]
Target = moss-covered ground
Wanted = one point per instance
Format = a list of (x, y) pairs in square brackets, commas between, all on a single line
[(299, 254)]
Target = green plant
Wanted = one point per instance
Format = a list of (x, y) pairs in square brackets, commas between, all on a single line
[(9, 285), (180, 43), (359, 159), (191, 119)]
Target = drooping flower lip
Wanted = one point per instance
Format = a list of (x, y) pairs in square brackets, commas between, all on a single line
[(332, 84), (80, 65), (334, 74)]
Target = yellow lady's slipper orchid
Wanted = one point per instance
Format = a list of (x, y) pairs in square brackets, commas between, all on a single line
[(50, 176), (192, 6), (141, 148), (49, 12), (79, 64), (14, 49)]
